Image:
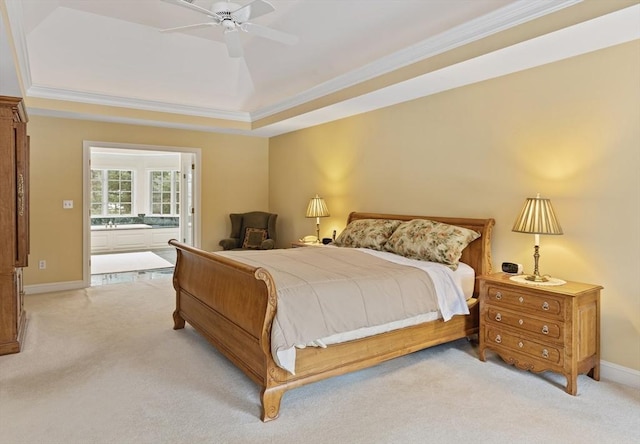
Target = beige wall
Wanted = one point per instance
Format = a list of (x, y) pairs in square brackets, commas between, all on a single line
[(569, 130), (234, 172)]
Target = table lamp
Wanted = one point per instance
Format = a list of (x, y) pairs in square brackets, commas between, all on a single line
[(537, 217), (317, 208)]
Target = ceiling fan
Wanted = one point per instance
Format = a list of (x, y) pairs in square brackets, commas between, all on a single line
[(235, 18)]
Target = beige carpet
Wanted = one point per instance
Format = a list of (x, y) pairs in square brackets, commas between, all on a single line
[(119, 262), (103, 365)]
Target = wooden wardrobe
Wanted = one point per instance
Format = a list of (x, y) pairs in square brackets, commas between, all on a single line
[(14, 221)]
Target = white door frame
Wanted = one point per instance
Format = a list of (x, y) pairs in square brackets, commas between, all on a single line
[(86, 195), (187, 207)]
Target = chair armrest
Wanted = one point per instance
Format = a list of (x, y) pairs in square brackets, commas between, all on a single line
[(268, 244), (229, 243)]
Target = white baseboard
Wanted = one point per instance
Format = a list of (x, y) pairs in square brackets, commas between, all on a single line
[(608, 370), (56, 286), (622, 375)]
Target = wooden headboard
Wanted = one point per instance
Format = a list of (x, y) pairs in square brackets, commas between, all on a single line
[(477, 254)]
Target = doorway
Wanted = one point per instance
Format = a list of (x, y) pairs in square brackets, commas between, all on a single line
[(136, 198)]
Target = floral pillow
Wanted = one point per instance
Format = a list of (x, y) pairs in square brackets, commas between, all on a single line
[(367, 233), (432, 241)]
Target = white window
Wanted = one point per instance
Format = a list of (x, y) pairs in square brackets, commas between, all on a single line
[(165, 193), (111, 192)]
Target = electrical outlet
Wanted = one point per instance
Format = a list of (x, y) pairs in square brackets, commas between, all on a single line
[(42, 264), (67, 204)]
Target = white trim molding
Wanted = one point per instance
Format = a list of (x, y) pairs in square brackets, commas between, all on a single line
[(53, 287), (622, 375)]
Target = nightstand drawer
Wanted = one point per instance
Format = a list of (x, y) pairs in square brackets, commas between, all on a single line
[(542, 328), (541, 352), (545, 305)]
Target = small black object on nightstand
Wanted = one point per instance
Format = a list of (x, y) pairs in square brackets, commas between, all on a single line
[(511, 268)]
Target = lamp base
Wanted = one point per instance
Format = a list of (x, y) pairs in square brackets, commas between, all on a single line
[(536, 278), (551, 281)]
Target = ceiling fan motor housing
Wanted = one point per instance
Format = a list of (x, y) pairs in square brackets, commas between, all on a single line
[(226, 11)]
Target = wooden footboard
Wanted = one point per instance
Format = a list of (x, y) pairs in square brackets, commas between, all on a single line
[(230, 303), (233, 305)]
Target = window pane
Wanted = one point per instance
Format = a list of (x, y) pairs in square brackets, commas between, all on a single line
[(163, 189), (96, 192), (118, 198)]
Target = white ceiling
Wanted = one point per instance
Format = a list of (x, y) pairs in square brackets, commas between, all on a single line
[(110, 52)]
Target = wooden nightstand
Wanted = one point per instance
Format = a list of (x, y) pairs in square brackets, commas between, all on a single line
[(538, 328)]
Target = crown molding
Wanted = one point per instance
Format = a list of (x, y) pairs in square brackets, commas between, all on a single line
[(605, 31), (140, 121), (43, 92), (509, 16), (504, 18), (618, 27)]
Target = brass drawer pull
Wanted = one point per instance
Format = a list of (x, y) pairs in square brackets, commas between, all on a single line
[(545, 329), (498, 295), (498, 339), (520, 321), (521, 299), (498, 317), (545, 353), (545, 306), (520, 344)]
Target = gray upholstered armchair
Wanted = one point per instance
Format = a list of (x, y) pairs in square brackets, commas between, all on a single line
[(255, 230)]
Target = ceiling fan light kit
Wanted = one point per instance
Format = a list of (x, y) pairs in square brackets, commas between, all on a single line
[(233, 17)]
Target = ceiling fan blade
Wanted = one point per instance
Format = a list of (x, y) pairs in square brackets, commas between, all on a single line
[(270, 33), (234, 45), (252, 10), (184, 28), (192, 7)]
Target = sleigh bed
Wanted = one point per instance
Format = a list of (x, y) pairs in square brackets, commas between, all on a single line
[(233, 304)]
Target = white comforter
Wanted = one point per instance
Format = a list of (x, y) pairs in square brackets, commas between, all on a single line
[(328, 294)]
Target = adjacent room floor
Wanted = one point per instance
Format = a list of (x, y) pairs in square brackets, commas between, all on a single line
[(131, 267)]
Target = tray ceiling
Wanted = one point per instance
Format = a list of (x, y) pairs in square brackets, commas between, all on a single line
[(111, 53)]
